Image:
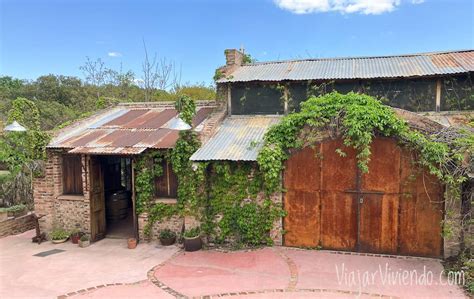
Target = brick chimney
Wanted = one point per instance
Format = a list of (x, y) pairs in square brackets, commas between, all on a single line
[(233, 57)]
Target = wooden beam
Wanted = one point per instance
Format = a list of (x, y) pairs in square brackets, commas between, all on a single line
[(134, 199), (286, 99), (229, 100), (438, 95)]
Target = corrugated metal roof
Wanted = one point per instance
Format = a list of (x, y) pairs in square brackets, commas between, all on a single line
[(124, 130), (416, 65), (239, 138)]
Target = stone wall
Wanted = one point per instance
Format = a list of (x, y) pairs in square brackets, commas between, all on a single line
[(16, 225), (174, 223), (72, 213)]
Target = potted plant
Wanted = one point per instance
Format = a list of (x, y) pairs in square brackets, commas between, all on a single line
[(84, 241), (76, 236), (132, 243), (192, 239), (167, 237), (17, 210), (59, 236)]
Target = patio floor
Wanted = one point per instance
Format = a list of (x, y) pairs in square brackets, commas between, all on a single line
[(108, 261), (107, 269)]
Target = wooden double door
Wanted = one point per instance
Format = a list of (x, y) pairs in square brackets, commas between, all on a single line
[(395, 208)]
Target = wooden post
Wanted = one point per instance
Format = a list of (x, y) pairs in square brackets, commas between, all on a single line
[(438, 95), (134, 204), (285, 99), (229, 102)]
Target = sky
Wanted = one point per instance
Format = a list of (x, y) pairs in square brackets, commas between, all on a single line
[(40, 37)]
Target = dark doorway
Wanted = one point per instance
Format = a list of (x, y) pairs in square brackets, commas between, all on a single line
[(118, 197)]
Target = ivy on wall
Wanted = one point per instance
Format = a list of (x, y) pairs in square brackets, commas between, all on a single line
[(357, 118), (226, 197), (237, 211)]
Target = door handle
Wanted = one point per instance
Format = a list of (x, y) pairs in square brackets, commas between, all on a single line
[(361, 200)]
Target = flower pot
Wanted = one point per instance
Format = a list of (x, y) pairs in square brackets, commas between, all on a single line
[(168, 241), (59, 241), (84, 244), (132, 243), (192, 244), (75, 238)]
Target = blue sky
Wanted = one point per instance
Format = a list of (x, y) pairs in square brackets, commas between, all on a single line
[(52, 36)]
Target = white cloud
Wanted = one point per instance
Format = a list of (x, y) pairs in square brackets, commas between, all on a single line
[(417, 1), (343, 6), (114, 54)]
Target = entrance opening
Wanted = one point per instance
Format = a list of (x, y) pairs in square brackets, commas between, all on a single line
[(118, 197)]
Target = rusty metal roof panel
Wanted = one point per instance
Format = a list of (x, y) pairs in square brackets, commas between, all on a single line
[(108, 150), (201, 115), (416, 65), (127, 117), (239, 138), (168, 141), (155, 137), (125, 129), (82, 139), (157, 120)]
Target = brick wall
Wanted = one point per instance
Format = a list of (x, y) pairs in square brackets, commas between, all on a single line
[(67, 212), (17, 225)]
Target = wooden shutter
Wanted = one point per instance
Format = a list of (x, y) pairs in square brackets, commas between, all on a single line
[(72, 174)]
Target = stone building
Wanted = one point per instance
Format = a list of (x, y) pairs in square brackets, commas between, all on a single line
[(94, 158)]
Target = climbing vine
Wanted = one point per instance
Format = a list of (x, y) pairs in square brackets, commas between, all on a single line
[(227, 198), (22, 152), (357, 118), (236, 210)]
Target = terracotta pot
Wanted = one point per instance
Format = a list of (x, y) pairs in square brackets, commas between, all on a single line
[(168, 241), (192, 244), (132, 243), (75, 238)]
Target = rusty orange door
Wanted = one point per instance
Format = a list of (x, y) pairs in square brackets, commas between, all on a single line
[(338, 208), (421, 211), (379, 199), (302, 199), (394, 208)]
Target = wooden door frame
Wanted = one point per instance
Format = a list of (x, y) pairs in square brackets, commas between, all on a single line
[(91, 205), (134, 201)]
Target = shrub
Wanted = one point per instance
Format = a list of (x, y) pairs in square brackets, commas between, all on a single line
[(192, 233), (59, 234), (167, 234)]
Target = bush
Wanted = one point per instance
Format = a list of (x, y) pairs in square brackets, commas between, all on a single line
[(192, 233), (59, 234), (167, 234), (13, 209)]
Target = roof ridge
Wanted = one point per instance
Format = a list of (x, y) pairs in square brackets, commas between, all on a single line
[(359, 57)]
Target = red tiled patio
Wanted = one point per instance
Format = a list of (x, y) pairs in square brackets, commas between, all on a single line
[(110, 270)]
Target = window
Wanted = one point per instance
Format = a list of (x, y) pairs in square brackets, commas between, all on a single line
[(166, 185), (72, 174)]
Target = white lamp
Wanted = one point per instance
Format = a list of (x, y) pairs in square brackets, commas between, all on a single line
[(176, 123), (14, 127)]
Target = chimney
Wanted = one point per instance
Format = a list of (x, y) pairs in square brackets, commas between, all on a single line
[(233, 57)]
